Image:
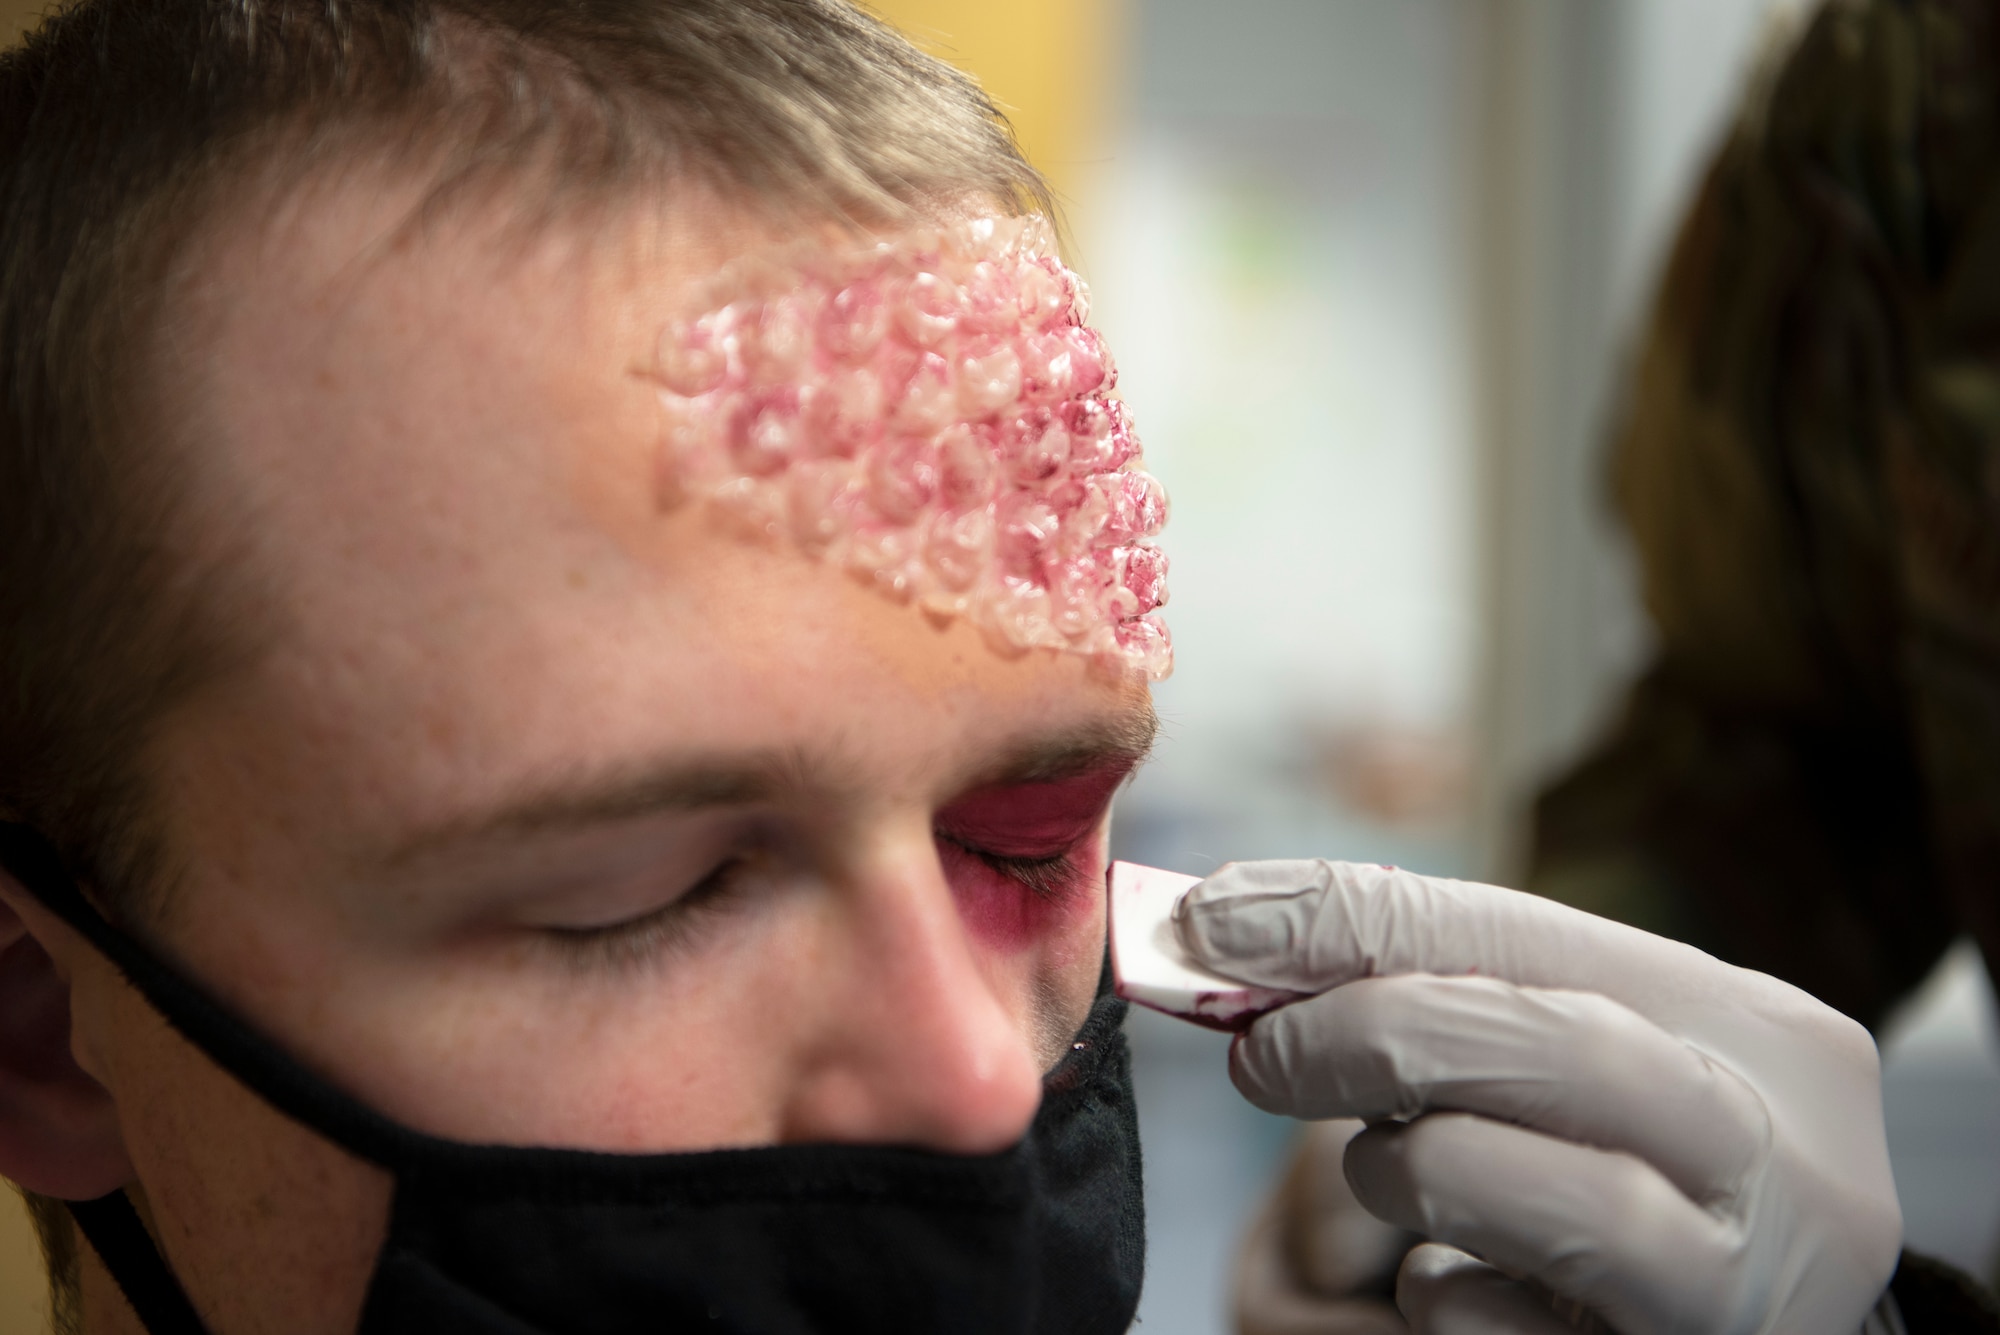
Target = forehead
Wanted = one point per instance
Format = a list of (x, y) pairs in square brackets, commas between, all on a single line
[(436, 444)]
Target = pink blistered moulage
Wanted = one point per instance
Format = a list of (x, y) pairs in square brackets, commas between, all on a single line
[(1148, 965), (931, 412)]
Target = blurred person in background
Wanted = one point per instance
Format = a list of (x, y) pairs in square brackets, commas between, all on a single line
[(1806, 781)]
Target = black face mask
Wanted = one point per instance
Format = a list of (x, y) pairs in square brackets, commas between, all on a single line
[(494, 1240)]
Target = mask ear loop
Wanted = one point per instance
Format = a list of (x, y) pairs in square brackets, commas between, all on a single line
[(115, 1233), (259, 1064), (110, 1223)]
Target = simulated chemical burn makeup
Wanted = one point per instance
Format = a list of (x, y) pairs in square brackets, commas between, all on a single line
[(932, 413)]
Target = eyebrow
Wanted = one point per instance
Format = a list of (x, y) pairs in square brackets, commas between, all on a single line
[(1125, 738), (685, 785)]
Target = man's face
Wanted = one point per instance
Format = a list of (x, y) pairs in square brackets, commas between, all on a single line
[(542, 817)]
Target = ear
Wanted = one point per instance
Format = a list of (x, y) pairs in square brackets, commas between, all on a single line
[(59, 1133)]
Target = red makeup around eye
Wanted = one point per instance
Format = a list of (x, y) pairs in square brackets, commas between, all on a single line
[(1032, 820), (1027, 821)]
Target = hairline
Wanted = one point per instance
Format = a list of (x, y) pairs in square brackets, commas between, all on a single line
[(248, 198)]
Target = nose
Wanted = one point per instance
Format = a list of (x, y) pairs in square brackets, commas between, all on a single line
[(914, 1047)]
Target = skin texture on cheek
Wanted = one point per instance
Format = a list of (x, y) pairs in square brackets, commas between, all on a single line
[(257, 1214)]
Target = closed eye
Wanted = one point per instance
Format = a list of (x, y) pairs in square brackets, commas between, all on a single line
[(1050, 876), (674, 925)]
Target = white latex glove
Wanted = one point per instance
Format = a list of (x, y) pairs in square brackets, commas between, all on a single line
[(1313, 1261), (1674, 1144)]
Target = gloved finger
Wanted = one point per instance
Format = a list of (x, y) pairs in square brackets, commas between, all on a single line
[(1310, 926), (1574, 1064), (1330, 1240), (1442, 1291), (1272, 1295), (1597, 1227)]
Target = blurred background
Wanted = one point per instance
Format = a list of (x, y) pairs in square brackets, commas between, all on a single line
[(1372, 269), (1372, 272)]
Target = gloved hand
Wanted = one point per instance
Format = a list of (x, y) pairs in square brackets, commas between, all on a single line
[(1313, 1261), (1648, 1134)]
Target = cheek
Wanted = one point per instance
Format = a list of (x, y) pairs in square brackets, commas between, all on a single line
[(270, 1227), (1005, 915)]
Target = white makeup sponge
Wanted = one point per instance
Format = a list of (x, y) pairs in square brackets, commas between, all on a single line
[(1149, 967)]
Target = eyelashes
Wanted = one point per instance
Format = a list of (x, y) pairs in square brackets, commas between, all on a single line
[(673, 928), (1050, 876), (677, 927)]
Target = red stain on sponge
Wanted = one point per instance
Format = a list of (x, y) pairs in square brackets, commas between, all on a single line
[(1150, 967)]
